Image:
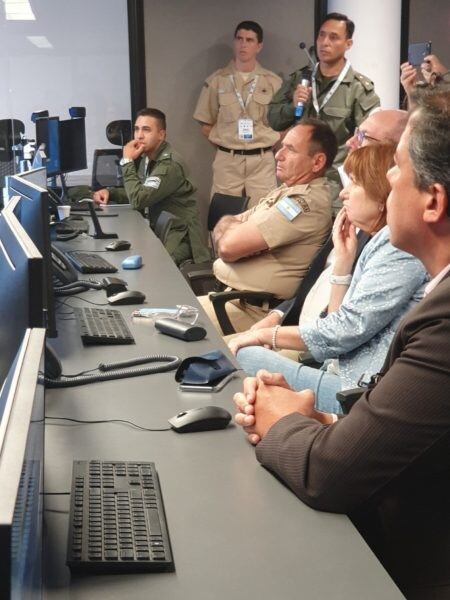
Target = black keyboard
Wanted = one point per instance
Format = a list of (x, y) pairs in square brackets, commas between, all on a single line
[(90, 263), (117, 521), (102, 326)]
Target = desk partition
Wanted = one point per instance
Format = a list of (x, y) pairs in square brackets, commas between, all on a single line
[(236, 531)]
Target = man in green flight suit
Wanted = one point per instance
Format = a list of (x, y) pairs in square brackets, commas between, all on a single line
[(337, 95), (154, 180)]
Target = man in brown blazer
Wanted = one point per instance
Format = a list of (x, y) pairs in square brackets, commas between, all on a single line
[(387, 463)]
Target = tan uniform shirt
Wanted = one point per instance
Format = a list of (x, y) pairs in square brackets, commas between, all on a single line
[(292, 240), (219, 106)]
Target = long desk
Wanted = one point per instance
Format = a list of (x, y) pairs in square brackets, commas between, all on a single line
[(236, 531)]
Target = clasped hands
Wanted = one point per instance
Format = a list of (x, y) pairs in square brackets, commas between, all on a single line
[(266, 399)]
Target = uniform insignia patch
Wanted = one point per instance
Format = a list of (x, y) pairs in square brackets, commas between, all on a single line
[(289, 208), (153, 182), (304, 204)]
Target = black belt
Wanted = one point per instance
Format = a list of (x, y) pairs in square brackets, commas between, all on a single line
[(245, 152)]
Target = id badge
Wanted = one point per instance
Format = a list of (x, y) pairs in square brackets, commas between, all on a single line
[(245, 129)]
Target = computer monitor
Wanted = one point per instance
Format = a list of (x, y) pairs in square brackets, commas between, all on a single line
[(21, 288), (72, 144), (21, 410), (47, 132), (33, 213), (65, 144), (21, 471)]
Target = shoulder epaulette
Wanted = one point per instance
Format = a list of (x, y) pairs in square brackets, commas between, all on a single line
[(365, 81)]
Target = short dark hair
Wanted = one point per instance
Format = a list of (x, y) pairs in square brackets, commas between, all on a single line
[(322, 139), (251, 26), (156, 114), (335, 16), (429, 141)]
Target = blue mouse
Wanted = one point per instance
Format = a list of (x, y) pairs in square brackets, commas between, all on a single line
[(132, 262)]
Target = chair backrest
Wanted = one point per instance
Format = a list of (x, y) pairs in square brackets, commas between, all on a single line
[(163, 225), (106, 170), (224, 204), (119, 133)]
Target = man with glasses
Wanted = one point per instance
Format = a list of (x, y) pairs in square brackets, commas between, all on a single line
[(338, 95), (382, 126)]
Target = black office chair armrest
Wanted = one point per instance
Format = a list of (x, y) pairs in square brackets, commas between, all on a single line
[(200, 277), (219, 299), (347, 398)]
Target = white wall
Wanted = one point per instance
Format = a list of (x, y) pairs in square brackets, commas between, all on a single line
[(376, 43), (88, 65)]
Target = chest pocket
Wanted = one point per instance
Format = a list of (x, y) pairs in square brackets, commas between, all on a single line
[(160, 170), (338, 119), (257, 108), (229, 107)]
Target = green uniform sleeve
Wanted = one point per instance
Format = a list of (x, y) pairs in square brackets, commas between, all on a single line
[(164, 180), (117, 195), (281, 110)]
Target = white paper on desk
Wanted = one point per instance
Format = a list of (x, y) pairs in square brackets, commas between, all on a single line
[(345, 179)]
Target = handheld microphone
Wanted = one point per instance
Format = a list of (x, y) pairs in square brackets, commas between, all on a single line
[(298, 111), (303, 47)]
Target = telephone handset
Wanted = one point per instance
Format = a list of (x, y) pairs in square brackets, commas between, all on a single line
[(63, 270)]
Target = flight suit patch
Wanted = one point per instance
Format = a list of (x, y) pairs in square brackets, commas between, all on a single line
[(153, 182), (289, 208)]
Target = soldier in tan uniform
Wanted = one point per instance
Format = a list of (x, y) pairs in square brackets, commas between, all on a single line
[(232, 111), (337, 95), (270, 247)]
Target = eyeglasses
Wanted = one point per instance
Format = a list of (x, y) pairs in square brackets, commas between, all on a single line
[(361, 135)]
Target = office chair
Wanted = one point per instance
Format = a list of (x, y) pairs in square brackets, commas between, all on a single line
[(119, 132), (163, 225), (106, 171), (200, 276)]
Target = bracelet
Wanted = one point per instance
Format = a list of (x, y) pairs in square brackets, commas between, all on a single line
[(341, 279), (274, 338)]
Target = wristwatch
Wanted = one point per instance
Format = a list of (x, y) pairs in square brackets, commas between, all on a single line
[(125, 161)]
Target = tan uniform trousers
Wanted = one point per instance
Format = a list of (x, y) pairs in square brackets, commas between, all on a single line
[(241, 314), (251, 175)]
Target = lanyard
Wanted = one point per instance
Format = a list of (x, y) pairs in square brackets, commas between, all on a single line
[(238, 93), (336, 84)]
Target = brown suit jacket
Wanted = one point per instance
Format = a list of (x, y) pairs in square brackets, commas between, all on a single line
[(387, 464)]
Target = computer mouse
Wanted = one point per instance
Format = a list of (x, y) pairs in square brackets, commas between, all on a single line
[(127, 297), (204, 418), (132, 262), (118, 245)]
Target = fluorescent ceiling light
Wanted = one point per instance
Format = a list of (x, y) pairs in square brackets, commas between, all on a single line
[(18, 10), (39, 40)]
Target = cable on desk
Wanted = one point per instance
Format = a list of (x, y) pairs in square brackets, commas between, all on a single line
[(63, 381), (84, 300), (97, 422)]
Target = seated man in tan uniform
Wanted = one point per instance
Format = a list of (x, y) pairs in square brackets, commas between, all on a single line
[(232, 111), (269, 247)]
